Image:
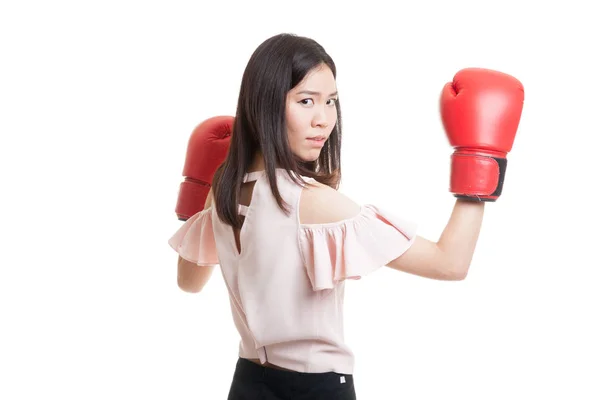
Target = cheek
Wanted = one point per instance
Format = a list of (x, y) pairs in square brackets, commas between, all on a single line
[(298, 122), (332, 116)]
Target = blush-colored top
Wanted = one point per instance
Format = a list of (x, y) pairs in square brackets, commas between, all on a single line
[(286, 286)]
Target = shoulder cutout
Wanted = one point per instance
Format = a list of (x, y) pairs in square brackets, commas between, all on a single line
[(320, 204)]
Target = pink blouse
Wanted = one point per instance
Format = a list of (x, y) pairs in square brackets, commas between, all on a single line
[(286, 286)]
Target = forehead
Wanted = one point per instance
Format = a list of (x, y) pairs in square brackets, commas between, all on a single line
[(319, 79)]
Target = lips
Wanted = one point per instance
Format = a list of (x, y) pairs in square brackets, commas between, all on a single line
[(317, 141)]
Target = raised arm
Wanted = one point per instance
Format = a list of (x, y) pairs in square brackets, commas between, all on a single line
[(206, 150), (192, 278), (481, 110), (450, 257)]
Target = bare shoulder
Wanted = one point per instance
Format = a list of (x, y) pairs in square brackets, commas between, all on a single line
[(321, 204)]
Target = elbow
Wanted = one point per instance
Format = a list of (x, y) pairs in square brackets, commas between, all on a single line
[(191, 278), (452, 268), (187, 286), (459, 271), (188, 289), (460, 275)]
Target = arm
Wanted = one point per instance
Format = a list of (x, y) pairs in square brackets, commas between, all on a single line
[(450, 257), (447, 259), (192, 278), (480, 111)]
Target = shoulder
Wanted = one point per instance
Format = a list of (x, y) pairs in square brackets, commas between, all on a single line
[(321, 204)]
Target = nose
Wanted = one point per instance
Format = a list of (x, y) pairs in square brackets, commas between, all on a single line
[(320, 118)]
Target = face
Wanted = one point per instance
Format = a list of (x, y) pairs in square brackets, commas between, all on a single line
[(311, 113)]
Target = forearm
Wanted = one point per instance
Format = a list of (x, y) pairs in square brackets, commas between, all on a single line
[(459, 238)]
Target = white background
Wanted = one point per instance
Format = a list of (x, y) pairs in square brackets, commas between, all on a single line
[(97, 101)]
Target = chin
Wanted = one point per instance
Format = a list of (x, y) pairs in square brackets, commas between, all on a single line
[(310, 157)]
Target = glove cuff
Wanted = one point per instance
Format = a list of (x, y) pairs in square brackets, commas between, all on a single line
[(192, 196), (477, 177)]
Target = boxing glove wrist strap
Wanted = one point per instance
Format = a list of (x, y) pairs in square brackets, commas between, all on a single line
[(191, 199), (477, 177)]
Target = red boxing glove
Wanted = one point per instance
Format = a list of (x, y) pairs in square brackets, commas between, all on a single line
[(480, 110), (206, 151)]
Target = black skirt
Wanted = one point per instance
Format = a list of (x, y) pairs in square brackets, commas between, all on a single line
[(255, 382)]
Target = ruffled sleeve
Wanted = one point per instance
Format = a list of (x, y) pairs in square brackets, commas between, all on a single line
[(354, 247), (195, 240)]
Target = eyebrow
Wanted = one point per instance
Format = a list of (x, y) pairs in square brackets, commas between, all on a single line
[(316, 93)]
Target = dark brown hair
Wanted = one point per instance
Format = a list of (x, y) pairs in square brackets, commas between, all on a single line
[(277, 66)]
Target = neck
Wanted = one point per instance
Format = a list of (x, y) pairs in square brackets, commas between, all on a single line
[(258, 163)]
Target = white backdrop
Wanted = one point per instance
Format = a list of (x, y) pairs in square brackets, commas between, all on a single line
[(97, 104)]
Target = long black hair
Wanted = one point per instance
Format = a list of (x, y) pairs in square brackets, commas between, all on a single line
[(277, 66)]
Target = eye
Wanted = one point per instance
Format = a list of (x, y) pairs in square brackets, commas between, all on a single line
[(306, 101), (332, 102)]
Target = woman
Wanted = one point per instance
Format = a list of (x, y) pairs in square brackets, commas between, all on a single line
[(286, 239)]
